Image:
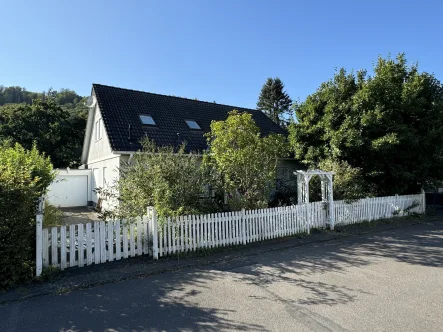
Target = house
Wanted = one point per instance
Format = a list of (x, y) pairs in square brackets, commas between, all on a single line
[(119, 118)]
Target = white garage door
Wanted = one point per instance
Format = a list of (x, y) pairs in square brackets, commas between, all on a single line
[(69, 191)]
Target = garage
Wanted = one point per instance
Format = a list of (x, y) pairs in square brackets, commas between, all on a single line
[(69, 189)]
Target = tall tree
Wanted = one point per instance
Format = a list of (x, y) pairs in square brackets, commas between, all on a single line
[(243, 163), (389, 126), (55, 131), (274, 101)]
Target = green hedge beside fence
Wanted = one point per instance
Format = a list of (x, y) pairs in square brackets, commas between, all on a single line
[(24, 176)]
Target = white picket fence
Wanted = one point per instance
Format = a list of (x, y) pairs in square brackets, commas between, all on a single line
[(190, 233), (95, 243), (369, 209), (100, 242)]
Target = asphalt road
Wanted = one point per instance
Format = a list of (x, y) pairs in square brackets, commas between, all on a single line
[(386, 281)]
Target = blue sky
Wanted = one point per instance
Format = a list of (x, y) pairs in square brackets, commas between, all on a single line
[(212, 50)]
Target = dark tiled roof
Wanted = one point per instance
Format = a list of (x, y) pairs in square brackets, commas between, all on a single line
[(122, 107)]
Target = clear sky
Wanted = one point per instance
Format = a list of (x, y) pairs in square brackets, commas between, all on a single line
[(213, 50)]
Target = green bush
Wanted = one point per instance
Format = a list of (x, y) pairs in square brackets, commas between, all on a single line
[(24, 176), (52, 216), (160, 176), (349, 184)]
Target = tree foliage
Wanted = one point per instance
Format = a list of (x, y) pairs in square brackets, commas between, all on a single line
[(274, 101), (349, 184), (389, 126), (243, 163), (160, 176), (55, 131), (24, 176)]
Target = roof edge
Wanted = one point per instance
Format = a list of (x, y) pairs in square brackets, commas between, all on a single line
[(89, 127), (182, 98)]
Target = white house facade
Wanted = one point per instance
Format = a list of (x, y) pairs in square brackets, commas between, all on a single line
[(119, 118)]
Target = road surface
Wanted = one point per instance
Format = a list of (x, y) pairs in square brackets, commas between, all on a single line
[(385, 281)]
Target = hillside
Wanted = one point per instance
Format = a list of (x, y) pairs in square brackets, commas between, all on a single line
[(54, 121)]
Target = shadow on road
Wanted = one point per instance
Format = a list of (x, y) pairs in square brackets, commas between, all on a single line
[(421, 245), (176, 300)]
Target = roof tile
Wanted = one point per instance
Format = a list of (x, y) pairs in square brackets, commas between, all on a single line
[(122, 107)]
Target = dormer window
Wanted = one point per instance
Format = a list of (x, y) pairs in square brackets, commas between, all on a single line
[(192, 124), (147, 120)]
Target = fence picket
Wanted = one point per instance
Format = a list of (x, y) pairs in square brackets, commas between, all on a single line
[(139, 250), (125, 239), (88, 244), (160, 241), (63, 263), (145, 236), (54, 246), (96, 237), (110, 246), (228, 228), (182, 242), (194, 233), (214, 231), (118, 239), (102, 242), (165, 239), (174, 247), (80, 240), (72, 251), (131, 240), (45, 247)]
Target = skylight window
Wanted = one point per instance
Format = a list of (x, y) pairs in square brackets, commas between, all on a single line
[(192, 124), (147, 120)]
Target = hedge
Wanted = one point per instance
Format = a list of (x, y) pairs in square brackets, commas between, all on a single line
[(24, 177)]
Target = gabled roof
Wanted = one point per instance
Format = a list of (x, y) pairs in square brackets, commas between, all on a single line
[(122, 107)]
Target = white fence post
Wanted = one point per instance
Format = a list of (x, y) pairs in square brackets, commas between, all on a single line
[(243, 223), (308, 217), (39, 237), (331, 215), (423, 201), (154, 228)]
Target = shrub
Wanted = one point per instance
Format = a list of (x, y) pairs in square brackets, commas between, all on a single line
[(242, 162), (348, 182), (285, 194), (52, 216), (24, 176), (160, 176)]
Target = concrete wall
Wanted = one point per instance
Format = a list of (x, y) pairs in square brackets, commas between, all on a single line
[(72, 187)]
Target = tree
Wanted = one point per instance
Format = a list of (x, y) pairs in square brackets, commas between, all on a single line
[(243, 163), (274, 101), (348, 181), (389, 126), (24, 176), (55, 131), (160, 176)]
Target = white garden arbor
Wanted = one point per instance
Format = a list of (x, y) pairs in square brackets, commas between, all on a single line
[(327, 193)]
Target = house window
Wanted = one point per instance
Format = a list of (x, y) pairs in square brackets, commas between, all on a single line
[(192, 124), (98, 129), (147, 120)]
